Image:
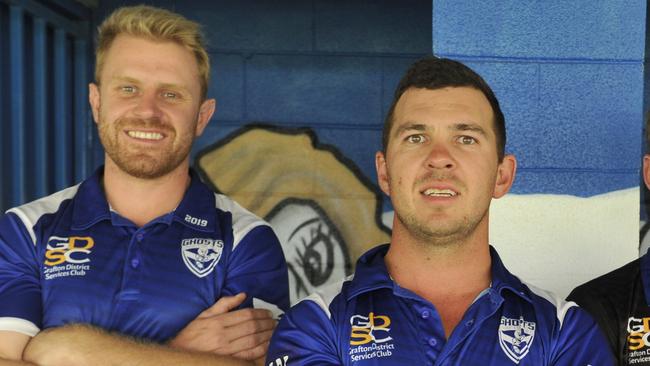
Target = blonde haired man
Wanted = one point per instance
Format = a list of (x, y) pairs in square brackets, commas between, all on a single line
[(142, 250)]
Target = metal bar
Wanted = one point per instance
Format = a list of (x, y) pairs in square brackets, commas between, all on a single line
[(38, 10), (17, 105), (39, 103), (81, 120), (61, 112), (4, 124)]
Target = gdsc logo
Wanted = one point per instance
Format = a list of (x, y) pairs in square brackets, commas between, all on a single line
[(371, 328), (638, 332), (74, 249)]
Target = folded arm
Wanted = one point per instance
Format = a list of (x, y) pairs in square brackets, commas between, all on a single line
[(73, 345)]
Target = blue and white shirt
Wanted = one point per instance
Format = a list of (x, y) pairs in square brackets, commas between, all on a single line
[(371, 320), (67, 258)]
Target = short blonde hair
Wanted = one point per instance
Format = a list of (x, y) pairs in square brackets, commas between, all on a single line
[(156, 24)]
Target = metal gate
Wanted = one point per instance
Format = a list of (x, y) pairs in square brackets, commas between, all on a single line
[(45, 123)]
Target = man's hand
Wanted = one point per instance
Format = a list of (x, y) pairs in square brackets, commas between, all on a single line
[(243, 333)]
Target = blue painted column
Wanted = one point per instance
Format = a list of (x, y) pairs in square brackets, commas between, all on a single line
[(82, 129), (17, 105), (39, 103), (62, 123)]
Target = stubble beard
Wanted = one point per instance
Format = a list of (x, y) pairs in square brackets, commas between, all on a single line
[(445, 233), (440, 234), (141, 163)]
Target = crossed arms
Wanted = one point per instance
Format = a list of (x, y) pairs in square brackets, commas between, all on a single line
[(217, 336)]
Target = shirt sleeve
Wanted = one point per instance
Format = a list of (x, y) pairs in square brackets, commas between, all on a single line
[(20, 289), (258, 268), (581, 342), (305, 336)]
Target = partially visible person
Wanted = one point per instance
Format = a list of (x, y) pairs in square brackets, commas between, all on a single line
[(141, 264), (438, 294), (620, 300)]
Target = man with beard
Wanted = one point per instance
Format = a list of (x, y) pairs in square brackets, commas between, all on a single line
[(141, 263), (620, 300), (438, 294)]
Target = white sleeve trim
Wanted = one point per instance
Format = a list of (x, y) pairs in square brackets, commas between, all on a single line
[(243, 221), (29, 213), (274, 309), (324, 297), (561, 306), (19, 326)]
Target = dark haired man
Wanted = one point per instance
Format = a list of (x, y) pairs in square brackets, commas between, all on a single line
[(439, 294), (620, 301)]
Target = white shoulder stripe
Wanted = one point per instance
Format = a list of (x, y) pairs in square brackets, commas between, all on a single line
[(561, 306), (323, 297), (29, 213), (19, 326), (243, 221)]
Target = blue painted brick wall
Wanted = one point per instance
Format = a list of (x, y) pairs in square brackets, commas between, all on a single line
[(569, 75)]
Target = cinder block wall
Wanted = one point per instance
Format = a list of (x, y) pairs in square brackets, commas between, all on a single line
[(570, 78)]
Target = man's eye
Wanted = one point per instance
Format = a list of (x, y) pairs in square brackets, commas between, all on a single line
[(466, 140), (170, 95), (415, 139), (128, 89)]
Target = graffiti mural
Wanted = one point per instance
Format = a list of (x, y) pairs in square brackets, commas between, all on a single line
[(324, 211)]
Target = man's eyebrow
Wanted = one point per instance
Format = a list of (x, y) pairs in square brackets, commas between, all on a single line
[(124, 79), (469, 127), (173, 86), (410, 126)]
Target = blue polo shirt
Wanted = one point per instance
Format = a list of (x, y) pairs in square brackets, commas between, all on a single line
[(67, 258), (371, 320)]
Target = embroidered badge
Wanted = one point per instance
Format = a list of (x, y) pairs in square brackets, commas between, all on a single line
[(515, 337), (201, 255)]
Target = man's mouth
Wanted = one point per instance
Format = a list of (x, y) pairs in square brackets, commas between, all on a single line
[(434, 192), (142, 135)]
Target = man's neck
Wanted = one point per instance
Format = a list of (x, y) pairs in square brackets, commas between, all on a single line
[(450, 276), (142, 200)]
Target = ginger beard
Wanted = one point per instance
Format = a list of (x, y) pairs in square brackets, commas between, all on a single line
[(139, 160)]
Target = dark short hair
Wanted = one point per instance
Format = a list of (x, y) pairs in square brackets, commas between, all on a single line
[(436, 73)]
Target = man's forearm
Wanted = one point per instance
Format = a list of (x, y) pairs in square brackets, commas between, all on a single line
[(4, 362), (83, 345)]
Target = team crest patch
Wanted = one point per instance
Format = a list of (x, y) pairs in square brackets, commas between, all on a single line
[(516, 337), (201, 255)]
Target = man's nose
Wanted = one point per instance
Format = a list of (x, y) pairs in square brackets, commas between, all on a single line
[(147, 106), (439, 157)]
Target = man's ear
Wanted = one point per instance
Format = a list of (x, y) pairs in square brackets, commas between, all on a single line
[(646, 170), (382, 172), (206, 110), (94, 99), (505, 176)]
